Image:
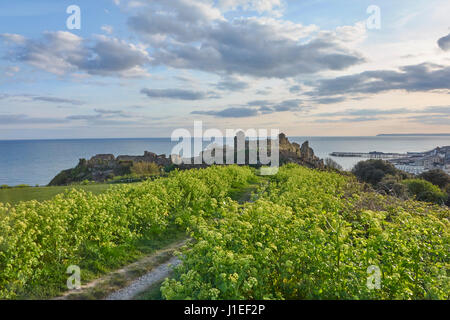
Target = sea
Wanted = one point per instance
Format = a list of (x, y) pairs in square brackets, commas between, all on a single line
[(36, 162)]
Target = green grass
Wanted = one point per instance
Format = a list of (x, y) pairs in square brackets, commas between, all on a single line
[(16, 195)]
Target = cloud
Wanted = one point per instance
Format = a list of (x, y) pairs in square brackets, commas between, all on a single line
[(263, 92), (357, 119), (330, 100), (437, 109), (57, 100), (271, 107), (112, 113), (63, 52), (230, 113), (31, 97), (431, 119), (106, 117), (253, 5), (287, 105), (255, 108), (444, 43), (413, 78), (364, 112), (183, 19), (257, 103), (6, 119), (11, 71), (13, 38), (108, 29), (180, 94), (428, 115), (232, 84), (259, 5), (114, 56), (186, 38), (295, 89)]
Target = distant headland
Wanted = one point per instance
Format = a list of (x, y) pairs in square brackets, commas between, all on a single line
[(104, 167), (412, 134)]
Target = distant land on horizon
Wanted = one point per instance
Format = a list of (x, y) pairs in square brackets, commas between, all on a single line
[(412, 134), (169, 138)]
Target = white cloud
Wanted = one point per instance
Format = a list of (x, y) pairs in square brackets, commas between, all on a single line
[(255, 46), (14, 38), (62, 52), (108, 29), (255, 5), (11, 71)]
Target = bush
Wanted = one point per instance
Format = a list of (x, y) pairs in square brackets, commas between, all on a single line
[(145, 169), (21, 186), (425, 191), (447, 190), (330, 163), (393, 186), (306, 236), (437, 177), (373, 171)]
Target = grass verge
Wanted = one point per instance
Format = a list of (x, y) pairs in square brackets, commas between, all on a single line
[(15, 195)]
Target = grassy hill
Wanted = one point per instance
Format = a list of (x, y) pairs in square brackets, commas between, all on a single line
[(15, 195), (301, 234)]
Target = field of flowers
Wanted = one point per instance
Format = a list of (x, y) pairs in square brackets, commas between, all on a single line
[(316, 235), (39, 240)]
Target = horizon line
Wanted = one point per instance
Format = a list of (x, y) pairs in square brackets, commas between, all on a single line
[(289, 136)]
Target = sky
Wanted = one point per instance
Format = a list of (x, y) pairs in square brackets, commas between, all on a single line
[(144, 68)]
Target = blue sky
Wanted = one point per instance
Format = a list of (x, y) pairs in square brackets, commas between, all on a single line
[(143, 68)]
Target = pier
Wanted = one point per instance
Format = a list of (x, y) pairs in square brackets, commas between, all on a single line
[(369, 155)]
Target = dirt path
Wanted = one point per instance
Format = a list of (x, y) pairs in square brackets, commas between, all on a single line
[(134, 279), (143, 283), (125, 283)]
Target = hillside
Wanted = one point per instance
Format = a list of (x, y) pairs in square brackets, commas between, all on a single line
[(303, 234)]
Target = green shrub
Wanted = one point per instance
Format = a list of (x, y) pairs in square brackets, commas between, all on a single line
[(425, 191), (437, 177), (308, 237), (22, 186), (393, 186), (447, 190), (373, 171), (145, 169), (331, 164)]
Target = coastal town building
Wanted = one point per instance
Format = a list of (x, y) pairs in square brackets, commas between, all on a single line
[(416, 162)]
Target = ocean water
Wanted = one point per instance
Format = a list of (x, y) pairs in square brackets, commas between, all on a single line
[(36, 162)]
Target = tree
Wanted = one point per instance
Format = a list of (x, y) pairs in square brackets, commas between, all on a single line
[(425, 191), (330, 163), (437, 177), (447, 190), (373, 171)]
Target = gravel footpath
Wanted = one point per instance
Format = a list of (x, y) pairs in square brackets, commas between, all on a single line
[(143, 283)]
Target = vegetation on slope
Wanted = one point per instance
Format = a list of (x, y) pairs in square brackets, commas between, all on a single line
[(431, 186), (15, 195), (313, 235), (39, 240), (304, 234)]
